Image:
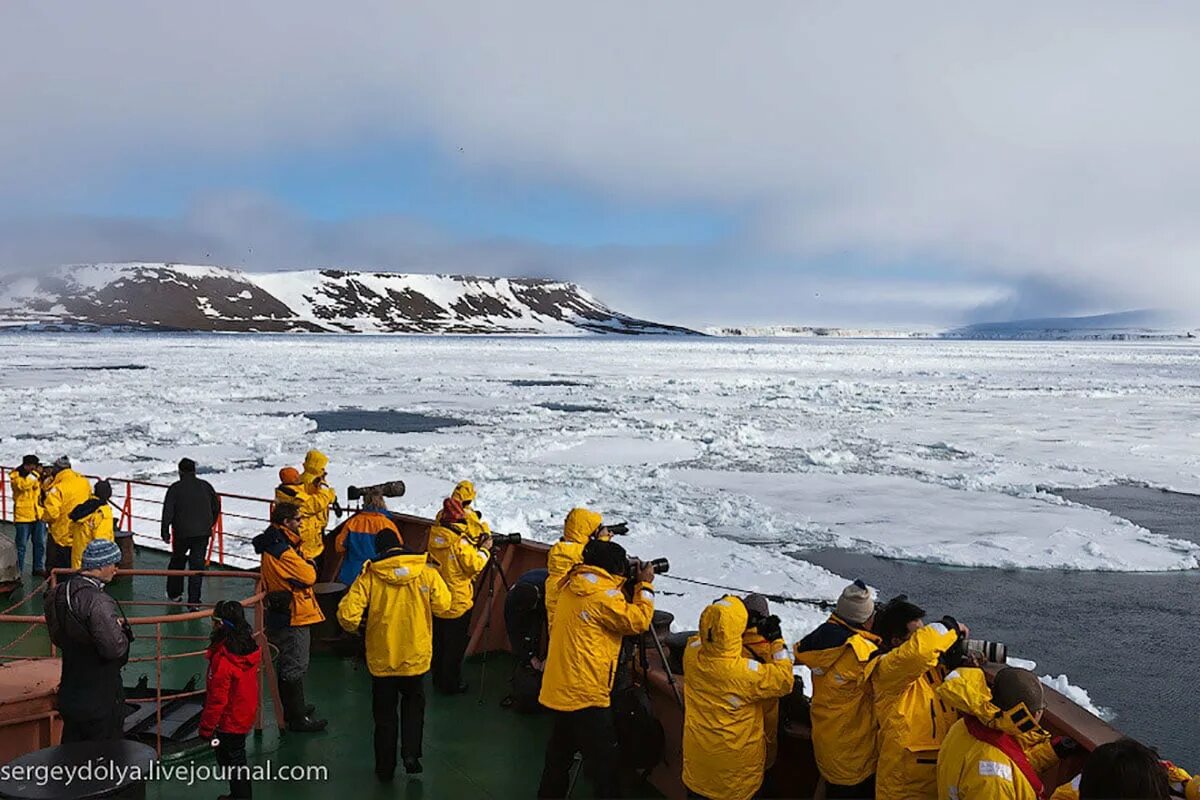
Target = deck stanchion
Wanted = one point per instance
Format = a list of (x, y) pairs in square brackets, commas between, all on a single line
[(4, 493), (158, 687)]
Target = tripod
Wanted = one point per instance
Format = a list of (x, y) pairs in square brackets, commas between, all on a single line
[(490, 573)]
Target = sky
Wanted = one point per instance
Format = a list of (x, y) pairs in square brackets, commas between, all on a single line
[(920, 163)]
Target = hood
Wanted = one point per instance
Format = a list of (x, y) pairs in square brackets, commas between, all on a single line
[(273, 540), (966, 690), (824, 646), (464, 492), (67, 475), (87, 507), (580, 525), (398, 568), (585, 580), (247, 661), (315, 463), (721, 628)]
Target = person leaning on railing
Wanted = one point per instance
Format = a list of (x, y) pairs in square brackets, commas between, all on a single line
[(26, 483), (93, 634), (189, 513), (67, 489), (288, 578), (312, 525), (724, 741)]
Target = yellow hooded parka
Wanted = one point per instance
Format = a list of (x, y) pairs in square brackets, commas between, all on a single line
[(567, 552), (458, 562)]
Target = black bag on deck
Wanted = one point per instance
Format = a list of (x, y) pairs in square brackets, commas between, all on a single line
[(639, 733), (526, 686)]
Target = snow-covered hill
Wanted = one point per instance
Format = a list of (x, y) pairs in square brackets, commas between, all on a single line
[(1125, 325), (160, 296)]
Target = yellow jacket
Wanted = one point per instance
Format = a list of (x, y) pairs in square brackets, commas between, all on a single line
[(458, 562), (969, 768), (756, 647), (566, 553), (96, 525), (27, 496), (724, 748), (67, 490), (403, 594), (313, 503), (582, 661), (845, 736), (912, 719)]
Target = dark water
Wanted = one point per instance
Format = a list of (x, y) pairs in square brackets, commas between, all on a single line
[(357, 419), (548, 382), (1130, 639), (574, 408)]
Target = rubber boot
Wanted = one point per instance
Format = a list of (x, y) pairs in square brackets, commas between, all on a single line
[(291, 694)]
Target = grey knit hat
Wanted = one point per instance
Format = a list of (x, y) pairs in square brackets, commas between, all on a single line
[(62, 462), (100, 553), (756, 604), (855, 605)]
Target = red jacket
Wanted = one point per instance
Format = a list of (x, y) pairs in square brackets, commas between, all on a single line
[(232, 698)]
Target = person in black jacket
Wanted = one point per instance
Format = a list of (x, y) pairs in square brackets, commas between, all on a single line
[(93, 635), (191, 508)]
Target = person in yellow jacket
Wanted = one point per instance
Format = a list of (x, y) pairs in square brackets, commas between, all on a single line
[(762, 650), (464, 492), (67, 489), (904, 681), (91, 519), (997, 749), (399, 593), (316, 511), (458, 559), (581, 665), (724, 746), (581, 526), (288, 578), (1127, 768), (844, 732), (26, 483)]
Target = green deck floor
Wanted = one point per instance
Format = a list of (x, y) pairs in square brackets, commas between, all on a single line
[(472, 749)]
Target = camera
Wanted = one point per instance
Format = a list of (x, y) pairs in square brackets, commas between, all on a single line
[(506, 538), (389, 489), (618, 528), (963, 649), (659, 565)]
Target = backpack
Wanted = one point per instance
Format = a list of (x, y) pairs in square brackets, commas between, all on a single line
[(526, 686)]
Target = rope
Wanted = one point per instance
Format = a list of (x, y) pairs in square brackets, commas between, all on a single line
[(827, 605)]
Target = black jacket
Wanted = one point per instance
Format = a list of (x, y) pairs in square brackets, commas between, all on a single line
[(87, 625), (191, 507)]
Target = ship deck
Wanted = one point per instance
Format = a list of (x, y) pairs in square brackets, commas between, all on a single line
[(472, 749)]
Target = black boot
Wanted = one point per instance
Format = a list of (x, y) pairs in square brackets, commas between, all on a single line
[(291, 694)]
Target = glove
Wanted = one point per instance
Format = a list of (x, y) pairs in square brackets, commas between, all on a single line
[(952, 625), (1065, 747), (127, 629), (166, 537), (769, 628), (337, 509), (618, 528)]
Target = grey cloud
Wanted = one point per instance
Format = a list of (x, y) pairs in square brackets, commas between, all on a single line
[(1024, 146)]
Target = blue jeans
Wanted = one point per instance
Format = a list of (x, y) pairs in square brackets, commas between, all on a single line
[(36, 531)]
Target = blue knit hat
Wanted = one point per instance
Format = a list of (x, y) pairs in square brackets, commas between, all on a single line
[(100, 553)]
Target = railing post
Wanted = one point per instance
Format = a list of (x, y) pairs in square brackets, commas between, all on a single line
[(158, 687), (127, 509), (4, 493)]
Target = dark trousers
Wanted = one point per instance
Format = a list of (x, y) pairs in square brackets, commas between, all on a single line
[(57, 556), (231, 754), (859, 791), (409, 691), (98, 729), (588, 731), (450, 637), (187, 554)]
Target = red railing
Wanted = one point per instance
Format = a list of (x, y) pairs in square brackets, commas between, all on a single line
[(140, 503)]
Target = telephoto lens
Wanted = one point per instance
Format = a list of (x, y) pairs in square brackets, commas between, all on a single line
[(506, 538), (389, 489), (618, 528), (992, 652), (660, 565)]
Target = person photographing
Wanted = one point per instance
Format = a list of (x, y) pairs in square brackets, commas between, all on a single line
[(724, 741), (580, 527), (592, 618), (92, 632), (458, 558), (26, 484)]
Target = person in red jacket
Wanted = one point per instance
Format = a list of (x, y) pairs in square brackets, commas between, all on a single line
[(231, 700)]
